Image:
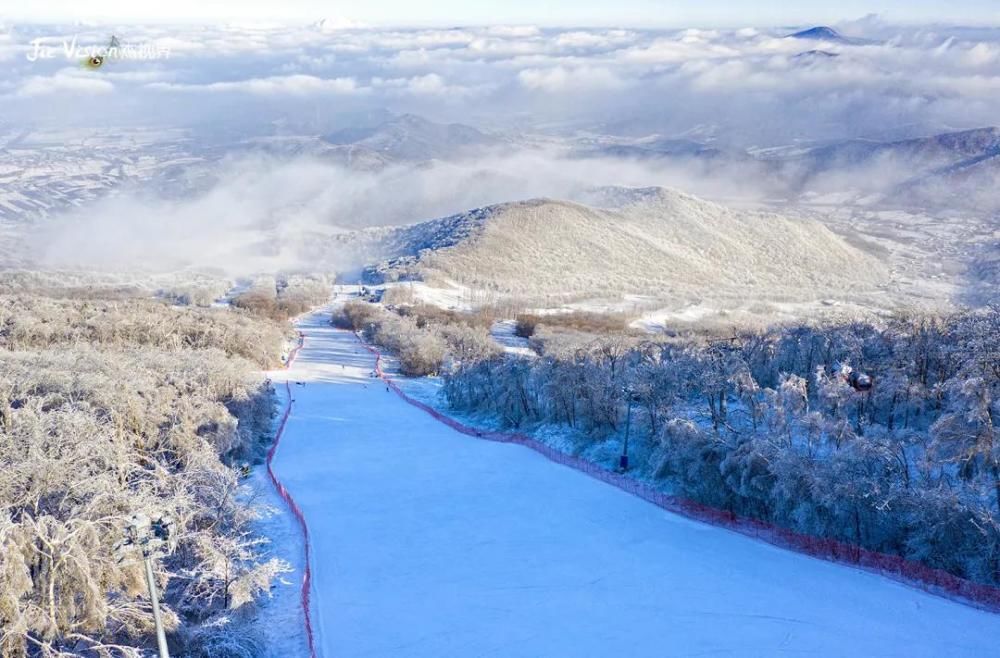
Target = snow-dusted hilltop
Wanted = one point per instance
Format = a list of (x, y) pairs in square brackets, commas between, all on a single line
[(922, 155), (652, 242), (410, 137), (827, 34), (819, 33)]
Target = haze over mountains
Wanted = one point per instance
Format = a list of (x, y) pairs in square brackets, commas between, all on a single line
[(44, 173), (859, 167), (404, 169), (919, 158), (264, 161)]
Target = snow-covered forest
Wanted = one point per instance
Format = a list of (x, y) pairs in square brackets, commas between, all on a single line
[(283, 297), (884, 436), (111, 407), (423, 338)]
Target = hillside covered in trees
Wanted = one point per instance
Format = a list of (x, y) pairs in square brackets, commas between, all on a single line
[(112, 405), (884, 436)]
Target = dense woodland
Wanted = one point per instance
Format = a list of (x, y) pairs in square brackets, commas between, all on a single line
[(425, 339), (283, 297), (110, 407), (882, 435)]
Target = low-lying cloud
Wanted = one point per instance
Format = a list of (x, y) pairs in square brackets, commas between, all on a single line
[(262, 213), (555, 103), (753, 85)]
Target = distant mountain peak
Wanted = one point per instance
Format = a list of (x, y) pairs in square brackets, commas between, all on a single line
[(817, 54), (819, 33), (822, 33), (614, 196), (412, 137)]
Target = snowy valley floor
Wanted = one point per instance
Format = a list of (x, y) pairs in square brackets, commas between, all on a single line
[(430, 543)]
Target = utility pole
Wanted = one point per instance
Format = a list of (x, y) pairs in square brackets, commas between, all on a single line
[(629, 393), (155, 538)]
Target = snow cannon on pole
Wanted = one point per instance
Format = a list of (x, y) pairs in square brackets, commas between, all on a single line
[(154, 538)]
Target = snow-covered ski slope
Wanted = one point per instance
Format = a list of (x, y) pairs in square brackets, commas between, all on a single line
[(430, 543)]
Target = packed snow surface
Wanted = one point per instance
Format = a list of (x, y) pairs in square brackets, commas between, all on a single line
[(431, 543)]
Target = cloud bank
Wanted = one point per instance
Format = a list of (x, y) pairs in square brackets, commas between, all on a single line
[(261, 213), (750, 85)]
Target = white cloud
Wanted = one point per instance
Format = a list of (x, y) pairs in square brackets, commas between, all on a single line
[(982, 54), (921, 72), (429, 85), (564, 79), (337, 24), (514, 31), (275, 85), (67, 83), (675, 50), (314, 199), (506, 47), (582, 39), (432, 83)]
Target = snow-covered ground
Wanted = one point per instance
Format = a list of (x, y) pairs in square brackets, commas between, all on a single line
[(430, 543), (281, 621), (504, 332)]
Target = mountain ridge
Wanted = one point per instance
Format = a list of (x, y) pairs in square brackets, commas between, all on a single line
[(640, 241)]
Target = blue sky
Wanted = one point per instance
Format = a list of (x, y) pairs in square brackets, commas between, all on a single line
[(632, 13)]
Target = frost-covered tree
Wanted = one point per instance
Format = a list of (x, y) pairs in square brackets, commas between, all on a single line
[(883, 435), (108, 409)]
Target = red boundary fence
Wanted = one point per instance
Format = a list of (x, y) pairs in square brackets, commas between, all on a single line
[(909, 572), (292, 505)]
